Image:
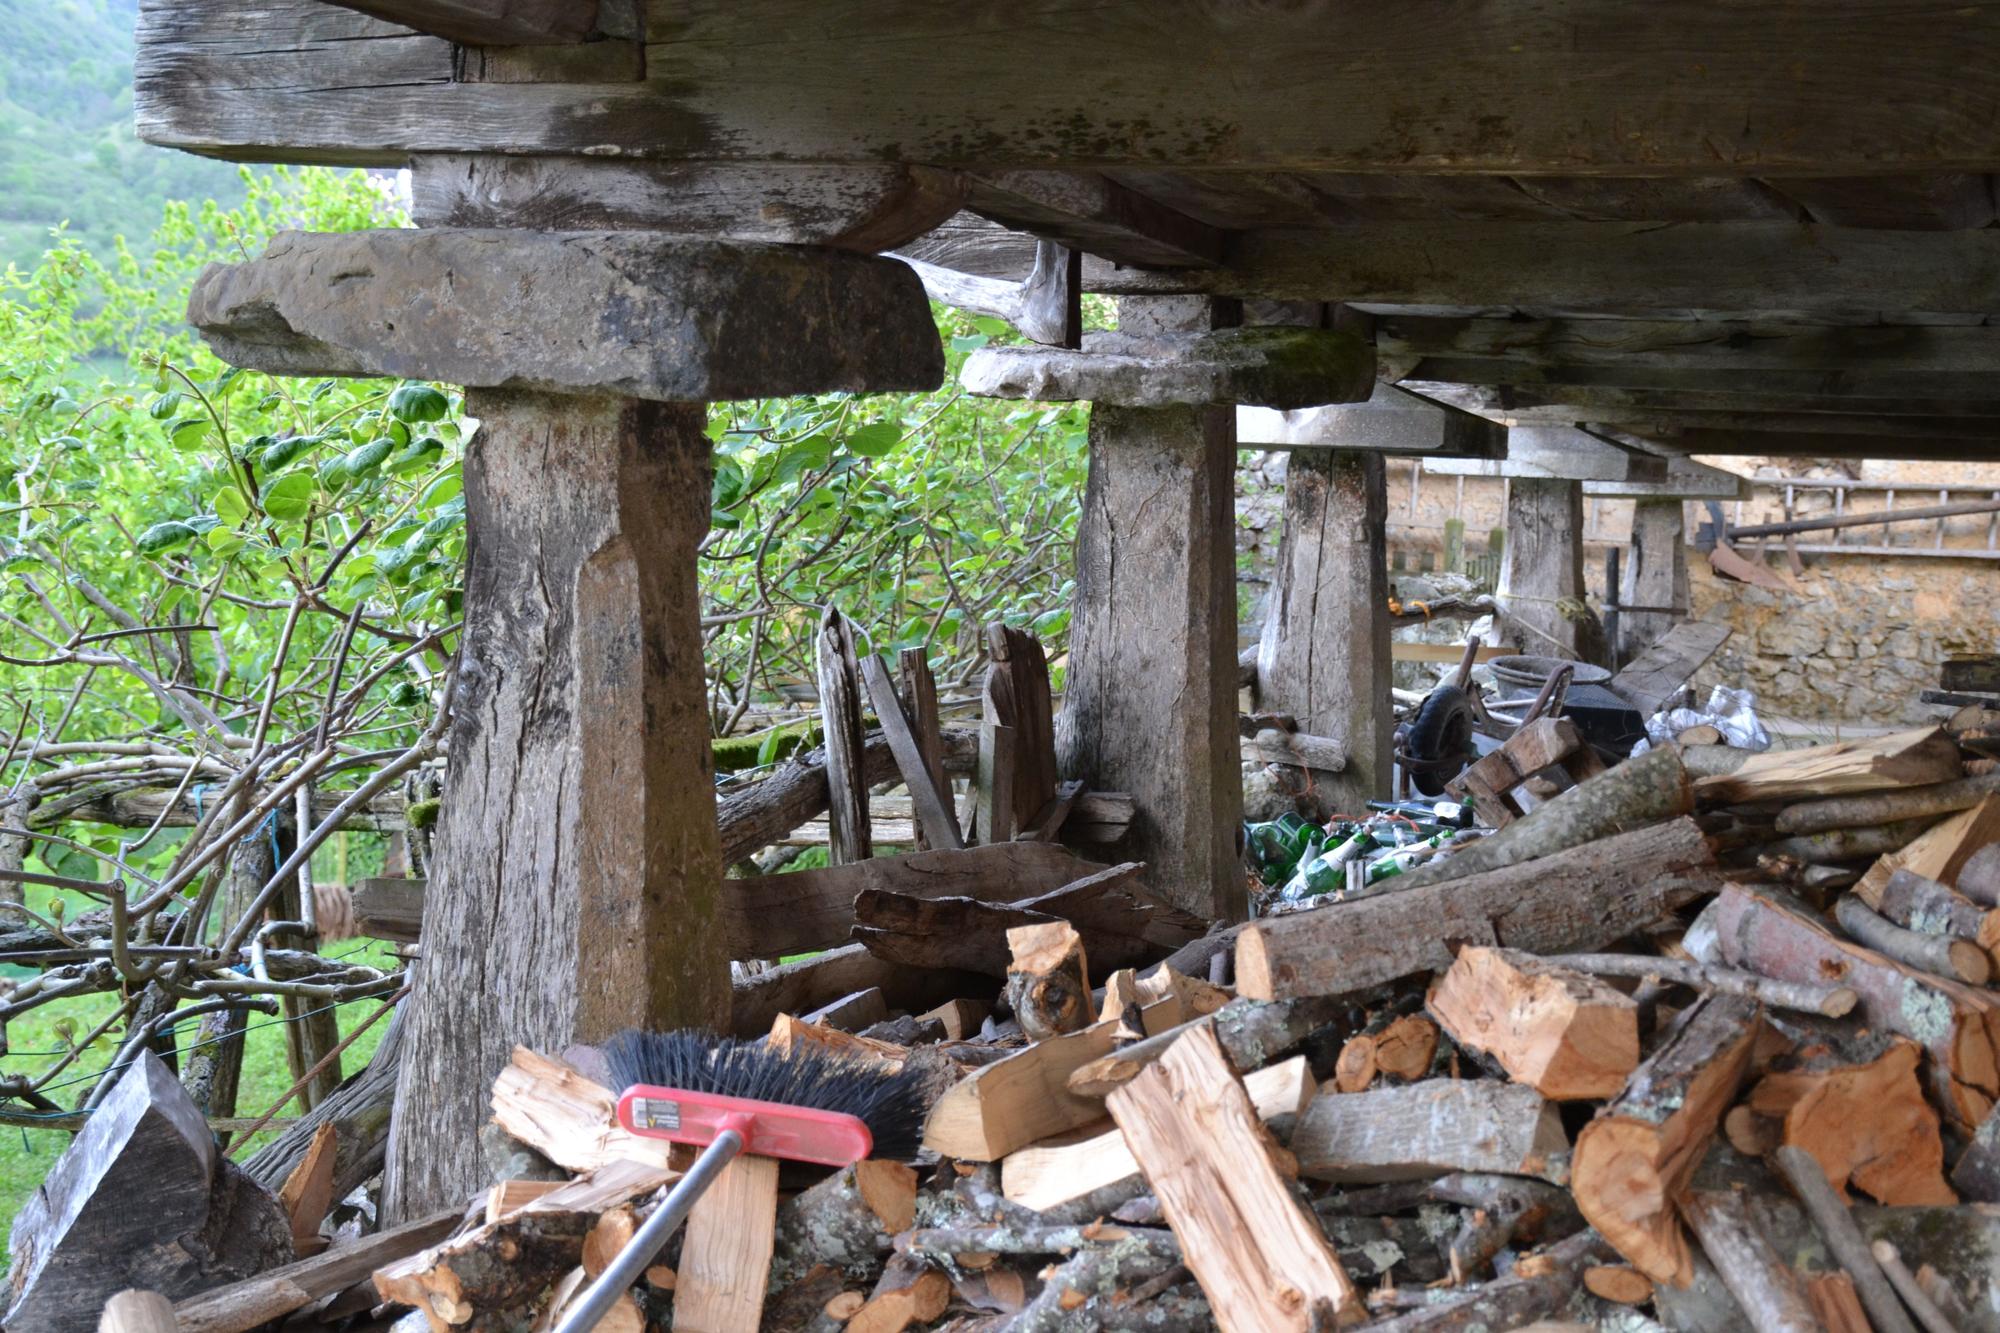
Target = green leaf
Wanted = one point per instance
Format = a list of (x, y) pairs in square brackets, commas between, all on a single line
[(224, 541), (997, 328), (230, 506), (283, 453), (362, 461), (418, 402), (166, 405), (444, 490), (969, 342), (163, 536), (875, 440), (289, 498), (188, 435), (415, 456)]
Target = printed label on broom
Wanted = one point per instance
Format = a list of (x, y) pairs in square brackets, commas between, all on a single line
[(656, 1113)]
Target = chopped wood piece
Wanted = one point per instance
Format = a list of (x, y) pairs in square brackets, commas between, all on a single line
[(725, 1264), (1046, 1176), (607, 1239), (844, 1306), (281, 1291), (1635, 1159), (909, 1292), (1751, 1134), (1836, 1226), (1618, 1283), (1866, 1123), (1957, 1025), (1544, 743), (1835, 1303), (961, 1018), (1914, 758), (1882, 807), (1048, 980), (1253, 1033), (1431, 1128), (566, 1117), (790, 1034), (1756, 1275), (1937, 853), (1262, 1260), (1940, 955), (1403, 1049), (308, 1192), (138, 1312), (1024, 1097), (1582, 898), (845, 1221), (510, 1196), (1830, 1001), (1565, 1034)]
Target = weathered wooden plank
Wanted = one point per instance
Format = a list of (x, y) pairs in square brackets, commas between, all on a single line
[(930, 798), (789, 80), (1090, 212), (1652, 677), (803, 986), (489, 22)]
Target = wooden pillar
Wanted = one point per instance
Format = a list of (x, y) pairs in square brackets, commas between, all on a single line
[(1541, 583), (576, 881), (1324, 655), (1657, 575), (1150, 695)]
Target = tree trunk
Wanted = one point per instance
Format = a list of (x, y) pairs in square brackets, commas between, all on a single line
[(576, 883)]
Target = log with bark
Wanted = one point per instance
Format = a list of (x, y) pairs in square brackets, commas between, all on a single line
[(1853, 1100), (1432, 1128), (1939, 852), (1633, 1162), (1048, 979), (1943, 798), (1918, 902), (1920, 757), (1582, 898), (1763, 1284), (1832, 1220), (1939, 955)]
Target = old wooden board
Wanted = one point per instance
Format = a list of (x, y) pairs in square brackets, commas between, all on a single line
[(1652, 678)]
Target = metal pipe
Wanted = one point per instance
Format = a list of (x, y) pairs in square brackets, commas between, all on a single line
[(645, 1246)]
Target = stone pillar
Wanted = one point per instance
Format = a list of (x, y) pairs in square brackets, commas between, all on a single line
[(1324, 655), (1657, 575), (1541, 583), (577, 885)]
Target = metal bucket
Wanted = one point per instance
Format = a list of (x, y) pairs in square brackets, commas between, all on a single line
[(1521, 677)]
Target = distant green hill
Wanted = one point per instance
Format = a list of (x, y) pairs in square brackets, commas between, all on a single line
[(67, 151)]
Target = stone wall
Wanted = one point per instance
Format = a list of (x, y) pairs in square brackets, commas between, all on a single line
[(1854, 642)]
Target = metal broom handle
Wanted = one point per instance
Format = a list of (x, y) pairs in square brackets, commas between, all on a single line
[(650, 1239)]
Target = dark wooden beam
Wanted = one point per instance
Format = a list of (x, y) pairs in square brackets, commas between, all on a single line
[(1830, 444), (1087, 212), (1649, 88), (1571, 403), (1767, 270), (489, 22)]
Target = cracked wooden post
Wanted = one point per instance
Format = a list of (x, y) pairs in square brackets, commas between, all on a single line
[(577, 875), (1324, 653), (1541, 583), (1150, 690), (1657, 575)]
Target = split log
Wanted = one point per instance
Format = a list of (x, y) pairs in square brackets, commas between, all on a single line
[(566, 1117), (1976, 1174), (1940, 955), (1850, 844), (139, 1199), (812, 982), (1582, 898), (909, 1292), (1260, 1258), (1253, 1034), (790, 1034), (138, 1312), (1048, 979), (1051, 1175), (1621, 1284), (1887, 806), (1920, 903), (1024, 1097), (1834, 1223), (1430, 1129), (1635, 1159), (1957, 1025), (1567, 1035), (504, 1265), (511, 1196), (307, 1193), (725, 1264), (1833, 1300), (1919, 757), (1939, 852), (281, 1291), (1404, 1049), (1760, 1280), (846, 1222), (1864, 1120), (961, 1018), (1642, 791)]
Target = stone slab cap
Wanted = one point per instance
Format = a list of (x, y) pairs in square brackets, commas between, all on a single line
[(1264, 367), (574, 312), (1392, 421)]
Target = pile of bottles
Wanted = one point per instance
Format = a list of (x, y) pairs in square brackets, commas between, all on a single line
[(1299, 859)]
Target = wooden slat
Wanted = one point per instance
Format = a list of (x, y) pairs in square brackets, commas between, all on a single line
[(1652, 677), (489, 22), (873, 80)]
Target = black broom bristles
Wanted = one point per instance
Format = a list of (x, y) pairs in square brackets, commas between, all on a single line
[(890, 1102)]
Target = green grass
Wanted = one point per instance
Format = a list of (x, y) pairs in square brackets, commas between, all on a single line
[(40, 1037)]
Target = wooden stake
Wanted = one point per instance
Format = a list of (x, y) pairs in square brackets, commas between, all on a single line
[(726, 1258), (1261, 1258)]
